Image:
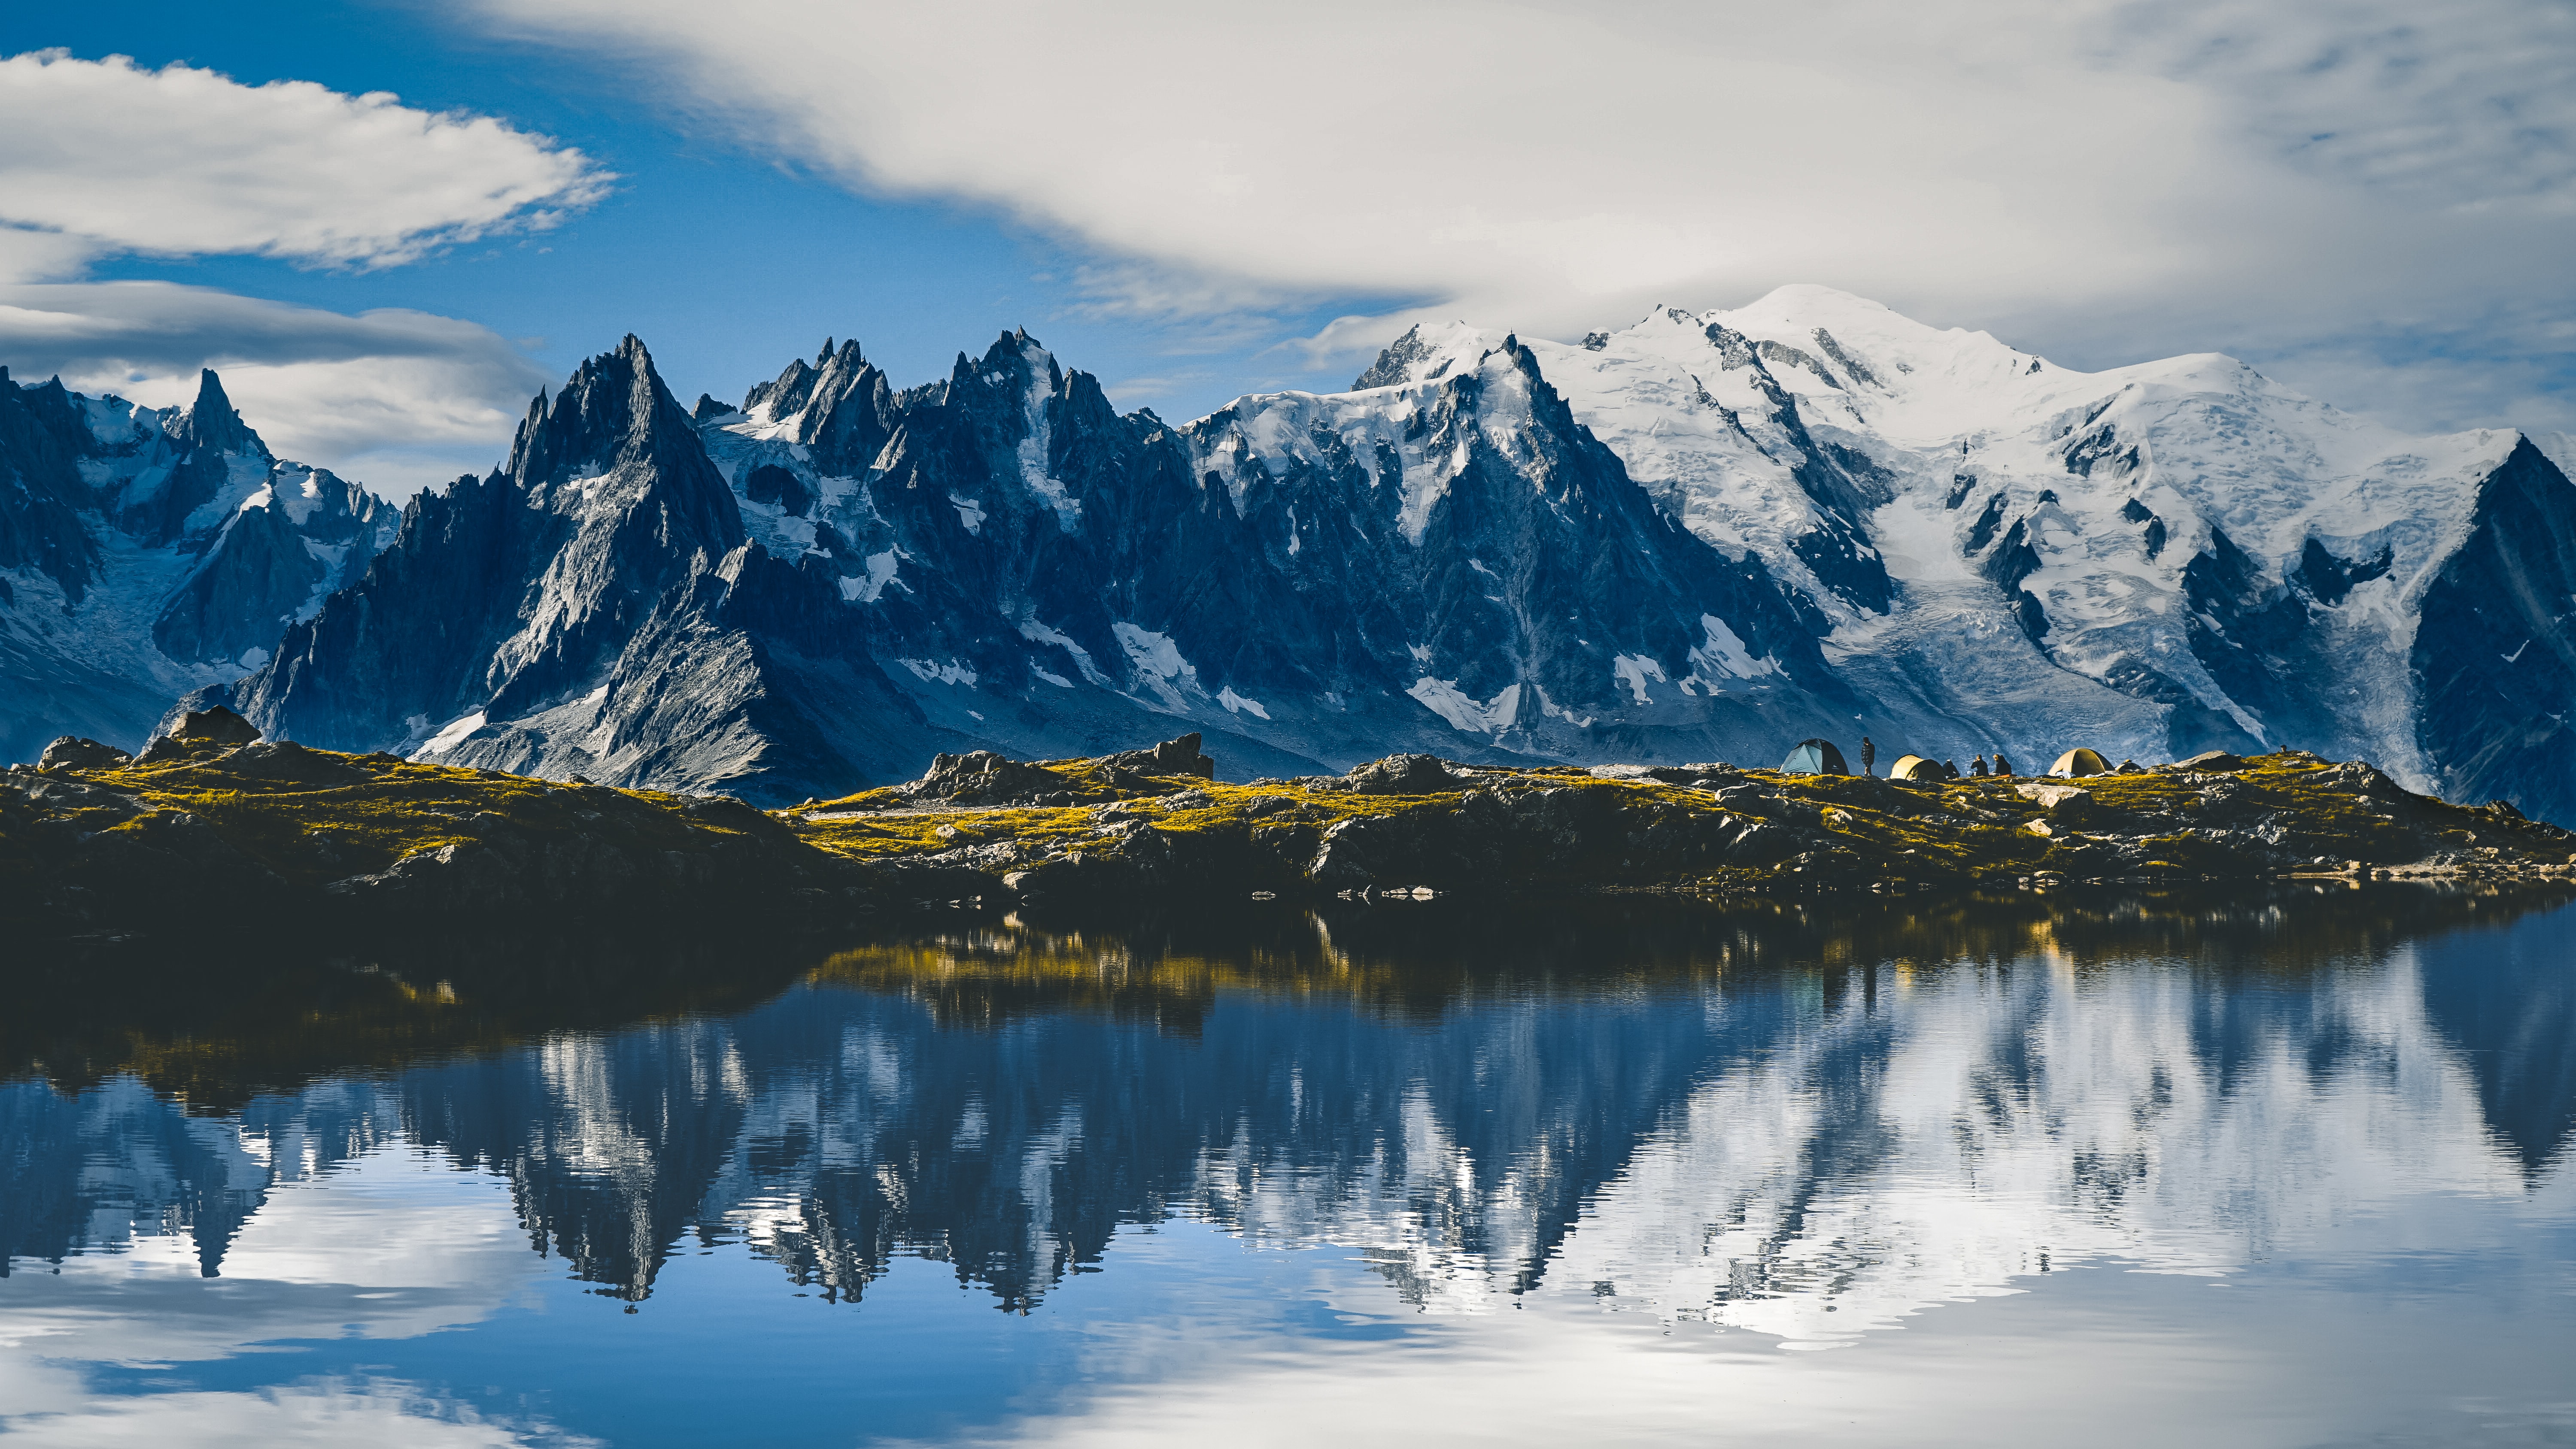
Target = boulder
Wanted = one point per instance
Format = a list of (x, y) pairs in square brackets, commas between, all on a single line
[(2051, 797), (2214, 762), (1179, 756), (983, 778), (170, 747), (71, 752), (218, 726), (1405, 775), (198, 732)]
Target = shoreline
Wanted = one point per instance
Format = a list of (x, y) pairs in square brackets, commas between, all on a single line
[(220, 829)]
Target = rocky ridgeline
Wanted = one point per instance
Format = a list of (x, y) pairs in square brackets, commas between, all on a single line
[(209, 822), (1418, 822), (1037, 833)]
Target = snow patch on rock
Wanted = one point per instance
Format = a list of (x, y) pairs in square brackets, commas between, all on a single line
[(1463, 712)]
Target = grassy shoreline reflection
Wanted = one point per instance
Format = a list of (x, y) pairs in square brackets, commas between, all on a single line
[(1417, 960), (213, 1026)]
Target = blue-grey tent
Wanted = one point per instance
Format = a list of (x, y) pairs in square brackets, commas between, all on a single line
[(1814, 757)]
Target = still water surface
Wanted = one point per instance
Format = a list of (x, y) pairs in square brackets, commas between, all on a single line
[(2268, 1170)]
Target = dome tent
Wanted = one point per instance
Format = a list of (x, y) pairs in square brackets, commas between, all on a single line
[(1917, 768), (1814, 757), (2080, 762)]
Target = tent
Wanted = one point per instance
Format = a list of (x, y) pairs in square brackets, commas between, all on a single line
[(2080, 762), (1814, 757), (1915, 767)]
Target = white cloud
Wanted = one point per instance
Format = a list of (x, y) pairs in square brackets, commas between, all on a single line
[(2101, 179), (395, 399), (318, 1412), (104, 157)]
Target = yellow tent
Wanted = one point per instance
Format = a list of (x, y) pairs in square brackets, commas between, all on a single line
[(2080, 762), (1915, 767)]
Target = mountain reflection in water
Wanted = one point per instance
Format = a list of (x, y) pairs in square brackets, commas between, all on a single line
[(1806, 1123)]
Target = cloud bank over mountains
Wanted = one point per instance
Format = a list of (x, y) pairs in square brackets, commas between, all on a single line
[(412, 397), (2346, 191), (108, 159)]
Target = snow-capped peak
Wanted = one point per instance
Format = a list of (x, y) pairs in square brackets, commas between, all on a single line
[(1426, 353)]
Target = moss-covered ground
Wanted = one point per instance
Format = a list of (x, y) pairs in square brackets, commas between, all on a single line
[(351, 814), (2282, 813), (311, 818)]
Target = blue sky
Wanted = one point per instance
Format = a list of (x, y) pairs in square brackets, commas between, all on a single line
[(1193, 203)]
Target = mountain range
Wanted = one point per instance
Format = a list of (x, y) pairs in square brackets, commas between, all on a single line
[(145, 553), (1704, 536)]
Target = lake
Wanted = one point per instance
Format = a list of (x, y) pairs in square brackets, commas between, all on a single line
[(2287, 1166)]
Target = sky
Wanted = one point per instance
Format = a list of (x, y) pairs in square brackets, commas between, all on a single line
[(388, 224)]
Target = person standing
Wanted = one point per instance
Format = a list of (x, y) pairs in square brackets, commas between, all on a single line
[(1868, 756)]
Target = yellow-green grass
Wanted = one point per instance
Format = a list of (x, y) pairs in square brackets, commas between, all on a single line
[(310, 831)]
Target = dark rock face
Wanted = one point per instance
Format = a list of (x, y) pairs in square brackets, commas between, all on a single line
[(41, 490), (770, 483), (2497, 665)]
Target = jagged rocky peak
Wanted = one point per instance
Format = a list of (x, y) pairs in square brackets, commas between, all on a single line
[(1425, 353), (838, 407), (612, 411), (212, 422), (801, 382), (1016, 369), (190, 466)]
